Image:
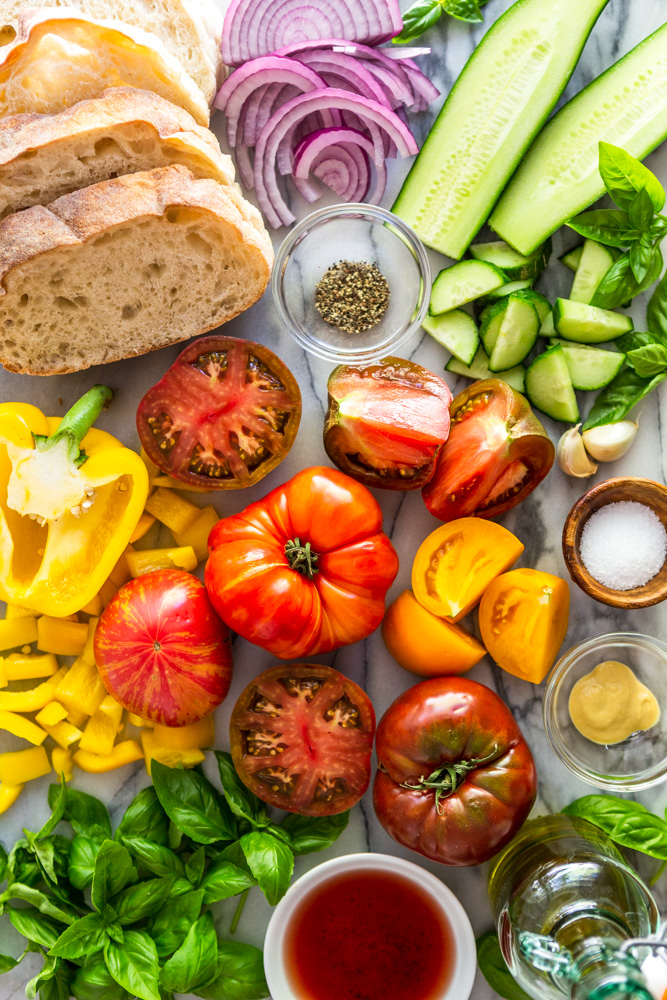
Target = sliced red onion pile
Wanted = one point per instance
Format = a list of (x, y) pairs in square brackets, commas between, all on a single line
[(327, 109)]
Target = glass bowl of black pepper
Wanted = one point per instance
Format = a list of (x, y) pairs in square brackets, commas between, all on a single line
[(351, 283)]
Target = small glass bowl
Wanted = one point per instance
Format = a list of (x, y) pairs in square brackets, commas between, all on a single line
[(361, 233), (634, 764)]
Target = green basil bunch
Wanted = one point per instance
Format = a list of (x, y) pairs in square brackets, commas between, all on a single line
[(425, 13), (126, 915)]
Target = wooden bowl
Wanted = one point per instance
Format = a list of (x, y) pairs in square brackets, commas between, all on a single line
[(646, 491)]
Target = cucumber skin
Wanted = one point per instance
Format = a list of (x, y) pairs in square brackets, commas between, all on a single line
[(410, 203), (431, 324), (572, 415), (606, 336), (434, 310), (521, 217)]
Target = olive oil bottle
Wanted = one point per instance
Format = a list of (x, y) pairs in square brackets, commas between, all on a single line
[(567, 909)]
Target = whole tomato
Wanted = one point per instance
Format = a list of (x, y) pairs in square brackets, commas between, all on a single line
[(161, 649), (304, 570), (456, 779)]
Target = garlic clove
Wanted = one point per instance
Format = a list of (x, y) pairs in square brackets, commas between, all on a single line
[(571, 455), (610, 441)]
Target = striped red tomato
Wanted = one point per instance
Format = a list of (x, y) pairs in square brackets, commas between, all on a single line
[(161, 649)]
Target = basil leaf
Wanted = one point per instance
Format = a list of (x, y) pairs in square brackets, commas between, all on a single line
[(45, 854), (142, 900), (659, 228), (4, 857), (647, 834), (240, 799), (194, 868), (648, 361), (640, 211), (95, 982), (634, 340), (623, 176), (35, 926), (52, 968), (419, 18), (134, 964), (85, 937), (619, 285), (7, 963), (57, 807), (83, 855), (81, 810), (22, 866), (223, 880), (641, 258), (656, 311), (606, 226), (145, 818), (154, 858), (111, 925), (174, 837), (493, 967), (464, 10), (270, 861), (113, 871), (605, 811), (196, 962), (171, 925), (240, 974), (309, 834), (623, 392), (41, 901), (234, 853), (191, 802), (56, 986)]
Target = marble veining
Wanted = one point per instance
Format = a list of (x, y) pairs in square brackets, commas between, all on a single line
[(538, 521)]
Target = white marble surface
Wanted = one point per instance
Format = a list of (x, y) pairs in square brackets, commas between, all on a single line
[(538, 521)]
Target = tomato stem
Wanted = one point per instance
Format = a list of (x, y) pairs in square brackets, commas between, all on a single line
[(238, 911), (301, 558), (447, 778)]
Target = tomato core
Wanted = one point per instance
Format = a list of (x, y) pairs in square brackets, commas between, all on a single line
[(301, 558)]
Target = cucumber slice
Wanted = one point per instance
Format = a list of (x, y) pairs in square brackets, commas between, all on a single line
[(548, 329), (517, 334), (595, 261), (456, 331), (549, 386), (590, 367), (479, 369), (462, 283), (541, 304), (505, 93), (515, 265), (505, 290), (588, 324), (626, 106), (490, 323), (571, 258)]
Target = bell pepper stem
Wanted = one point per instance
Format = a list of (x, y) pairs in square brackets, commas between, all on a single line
[(238, 911), (77, 422)]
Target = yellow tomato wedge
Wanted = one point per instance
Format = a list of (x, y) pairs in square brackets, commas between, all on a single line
[(425, 644)]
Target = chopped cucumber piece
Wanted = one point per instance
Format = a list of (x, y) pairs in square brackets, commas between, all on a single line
[(462, 283), (588, 324), (548, 329), (541, 304), (515, 265), (456, 331), (571, 258), (595, 261), (479, 369), (549, 386), (559, 177), (590, 367), (505, 290), (517, 334), (490, 322)]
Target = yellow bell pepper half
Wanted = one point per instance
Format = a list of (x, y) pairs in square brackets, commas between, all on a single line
[(70, 500)]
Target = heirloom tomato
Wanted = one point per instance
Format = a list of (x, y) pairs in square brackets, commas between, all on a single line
[(426, 644), (304, 570), (496, 454), (455, 777), (386, 422), (224, 415), (161, 649), (302, 736)]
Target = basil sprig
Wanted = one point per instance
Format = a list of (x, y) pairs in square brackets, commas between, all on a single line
[(493, 967), (126, 915), (424, 14), (628, 824)]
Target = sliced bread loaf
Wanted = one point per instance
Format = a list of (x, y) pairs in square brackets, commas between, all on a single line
[(124, 267), (43, 157), (60, 57), (190, 29)]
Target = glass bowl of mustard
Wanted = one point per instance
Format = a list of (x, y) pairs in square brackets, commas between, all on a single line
[(605, 711), (351, 283)]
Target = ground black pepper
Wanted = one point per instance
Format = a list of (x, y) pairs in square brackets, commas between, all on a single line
[(352, 296)]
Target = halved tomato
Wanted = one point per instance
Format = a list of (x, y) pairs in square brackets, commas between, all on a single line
[(301, 737), (387, 422), (496, 454), (224, 415)]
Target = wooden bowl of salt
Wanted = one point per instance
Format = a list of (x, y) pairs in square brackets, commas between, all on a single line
[(619, 556)]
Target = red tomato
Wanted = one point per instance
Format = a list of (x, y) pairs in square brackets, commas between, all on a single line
[(224, 415), (304, 570), (302, 736), (456, 779), (496, 454), (162, 651)]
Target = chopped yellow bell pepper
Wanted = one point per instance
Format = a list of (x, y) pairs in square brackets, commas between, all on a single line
[(14, 611), (136, 720), (152, 559), (171, 756), (51, 714), (172, 509), (57, 635), (146, 522), (78, 719), (74, 497), (151, 469), (23, 765), (81, 689), (88, 653), (122, 753), (121, 573), (199, 735), (64, 733), (100, 733), (169, 483), (17, 725), (4, 681), (94, 607), (28, 668), (108, 591), (17, 632), (197, 534), (8, 796), (62, 762), (35, 698)]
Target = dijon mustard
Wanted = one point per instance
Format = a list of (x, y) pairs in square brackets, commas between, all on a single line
[(611, 703)]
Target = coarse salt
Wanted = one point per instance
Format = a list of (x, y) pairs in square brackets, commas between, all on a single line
[(623, 545)]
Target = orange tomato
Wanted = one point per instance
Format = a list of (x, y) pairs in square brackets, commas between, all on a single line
[(523, 619), (456, 563), (425, 644)]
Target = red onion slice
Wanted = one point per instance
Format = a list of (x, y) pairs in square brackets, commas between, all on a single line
[(339, 66), (326, 144)]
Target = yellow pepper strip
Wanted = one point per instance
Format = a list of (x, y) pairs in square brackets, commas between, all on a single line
[(8, 796), (78, 719), (152, 559), (198, 735), (171, 756), (172, 509), (28, 668), (100, 733), (146, 522), (23, 765), (62, 762), (51, 714), (23, 728), (34, 699), (88, 653), (136, 720), (56, 635), (169, 483), (121, 573), (108, 590), (64, 733), (122, 753), (197, 534), (14, 611), (81, 689), (4, 680), (17, 632), (94, 607)]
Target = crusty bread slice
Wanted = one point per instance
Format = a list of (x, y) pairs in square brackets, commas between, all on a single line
[(124, 267), (190, 29), (60, 57), (43, 157)]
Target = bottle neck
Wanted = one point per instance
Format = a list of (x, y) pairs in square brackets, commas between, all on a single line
[(616, 977)]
